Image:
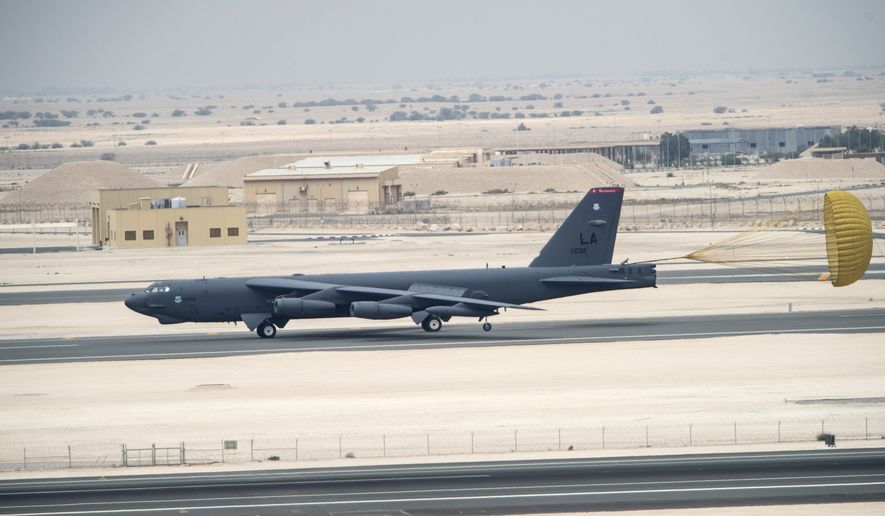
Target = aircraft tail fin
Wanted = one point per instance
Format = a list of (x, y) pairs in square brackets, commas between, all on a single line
[(587, 236)]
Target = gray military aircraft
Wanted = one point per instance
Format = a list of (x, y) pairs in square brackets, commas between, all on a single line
[(576, 260)]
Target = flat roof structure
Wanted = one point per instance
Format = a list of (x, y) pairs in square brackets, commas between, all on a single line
[(365, 160), (334, 172)]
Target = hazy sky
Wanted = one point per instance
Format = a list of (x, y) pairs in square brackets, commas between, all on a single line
[(219, 44)]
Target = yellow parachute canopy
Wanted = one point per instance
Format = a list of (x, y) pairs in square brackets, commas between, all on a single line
[(849, 237), (848, 243)]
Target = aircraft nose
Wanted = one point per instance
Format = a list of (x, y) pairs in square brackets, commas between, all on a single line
[(135, 302)]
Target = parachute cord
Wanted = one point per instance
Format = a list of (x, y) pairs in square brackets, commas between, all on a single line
[(661, 260)]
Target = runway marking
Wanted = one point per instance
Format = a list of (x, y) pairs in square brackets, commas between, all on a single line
[(41, 346), (408, 491), (375, 501), (449, 343), (241, 484), (427, 469)]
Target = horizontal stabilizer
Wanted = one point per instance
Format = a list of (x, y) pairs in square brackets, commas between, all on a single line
[(585, 280)]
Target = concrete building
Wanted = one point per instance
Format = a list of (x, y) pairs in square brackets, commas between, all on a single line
[(701, 146), (167, 217), (774, 140), (356, 184)]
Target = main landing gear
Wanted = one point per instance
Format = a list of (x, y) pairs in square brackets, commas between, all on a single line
[(432, 324), (486, 326), (266, 330)]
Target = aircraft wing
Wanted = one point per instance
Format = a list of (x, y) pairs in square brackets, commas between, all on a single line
[(284, 285)]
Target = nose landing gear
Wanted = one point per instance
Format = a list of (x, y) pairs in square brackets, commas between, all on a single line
[(486, 326)]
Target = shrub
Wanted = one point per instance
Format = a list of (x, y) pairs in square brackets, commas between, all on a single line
[(108, 156), (178, 112), (439, 192), (408, 194), (310, 121), (56, 146), (51, 122), (282, 105), (150, 142), (522, 127), (139, 127), (23, 146), (495, 191), (720, 109), (273, 458), (203, 112), (75, 145), (139, 115), (281, 122), (557, 105), (121, 144), (656, 110), (87, 143)]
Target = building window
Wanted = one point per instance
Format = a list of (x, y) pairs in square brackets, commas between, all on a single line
[(753, 145), (781, 144), (214, 232), (147, 234), (705, 146), (233, 231), (129, 235)]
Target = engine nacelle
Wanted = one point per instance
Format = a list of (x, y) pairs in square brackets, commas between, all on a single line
[(375, 310), (460, 311), (297, 307)]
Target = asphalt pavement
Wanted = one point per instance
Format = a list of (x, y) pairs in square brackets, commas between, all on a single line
[(522, 487), (409, 336), (665, 277)]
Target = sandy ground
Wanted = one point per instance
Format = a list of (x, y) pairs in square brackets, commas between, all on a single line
[(452, 392)]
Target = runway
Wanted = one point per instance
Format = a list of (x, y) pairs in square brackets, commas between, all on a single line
[(408, 336), (710, 480), (665, 277)]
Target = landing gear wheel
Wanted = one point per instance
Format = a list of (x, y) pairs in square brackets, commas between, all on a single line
[(432, 324), (266, 331), (486, 326)]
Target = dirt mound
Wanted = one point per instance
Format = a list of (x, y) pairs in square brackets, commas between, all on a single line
[(824, 169), (566, 178), (230, 173), (77, 182)]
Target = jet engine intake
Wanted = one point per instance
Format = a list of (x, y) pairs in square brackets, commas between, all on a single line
[(297, 307), (375, 310)]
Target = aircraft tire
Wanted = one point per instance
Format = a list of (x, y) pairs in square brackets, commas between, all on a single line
[(432, 324), (266, 330), (486, 326)]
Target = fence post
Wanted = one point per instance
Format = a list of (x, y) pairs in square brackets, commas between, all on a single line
[(340, 455), (25, 458), (778, 432), (428, 444), (183, 457), (515, 441), (603, 437), (689, 436), (154, 454), (70, 462), (866, 428), (646, 436), (125, 458), (821, 426), (559, 439), (296, 448), (735, 432), (471, 443), (251, 450), (222, 452), (383, 445)]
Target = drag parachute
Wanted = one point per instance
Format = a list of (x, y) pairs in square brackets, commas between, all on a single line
[(847, 245), (849, 236)]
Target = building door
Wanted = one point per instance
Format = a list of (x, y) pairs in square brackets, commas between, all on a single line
[(181, 233), (358, 201)]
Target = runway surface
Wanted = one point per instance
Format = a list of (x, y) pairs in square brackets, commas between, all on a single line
[(408, 336), (710, 480), (665, 277)]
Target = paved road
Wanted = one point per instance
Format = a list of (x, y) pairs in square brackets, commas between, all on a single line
[(665, 277), (712, 480), (408, 336)]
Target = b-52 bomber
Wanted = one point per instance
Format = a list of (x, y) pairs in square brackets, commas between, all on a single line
[(576, 260)]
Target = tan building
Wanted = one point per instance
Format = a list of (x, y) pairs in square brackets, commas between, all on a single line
[(167, 217), (349, 188)]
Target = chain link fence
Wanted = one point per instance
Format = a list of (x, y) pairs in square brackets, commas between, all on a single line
[(308, 447)]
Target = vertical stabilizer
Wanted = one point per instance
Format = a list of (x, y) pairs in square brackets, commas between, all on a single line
[(587, 236)]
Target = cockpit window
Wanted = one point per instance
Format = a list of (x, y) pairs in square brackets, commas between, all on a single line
[(157, 288)]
